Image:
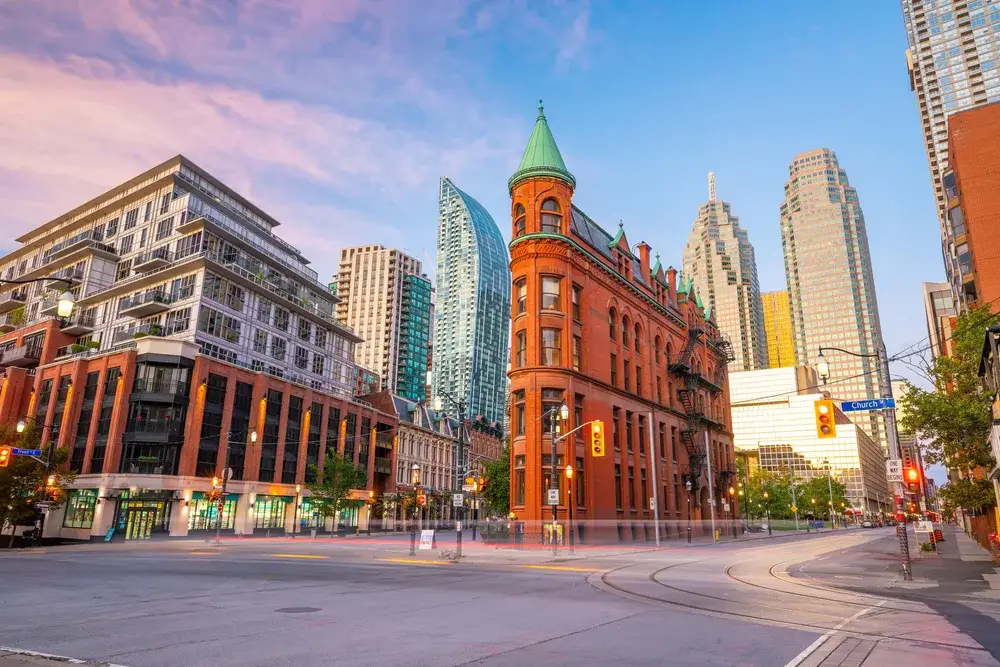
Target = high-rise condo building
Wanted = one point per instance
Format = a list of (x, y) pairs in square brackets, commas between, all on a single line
[(200, 341), (720, 261), (831, 288), (953, 56), (777, 314), (472, 314), (385, 298)]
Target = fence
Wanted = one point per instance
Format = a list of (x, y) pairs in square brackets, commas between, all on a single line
[(979, 529)]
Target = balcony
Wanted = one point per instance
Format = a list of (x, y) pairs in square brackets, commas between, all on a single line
[(11, 300), (152, 260), (81, 243), (383, 465), (22, 357), (159, 390), (140, 331), (78, 325), (145, 304), (59, 279)]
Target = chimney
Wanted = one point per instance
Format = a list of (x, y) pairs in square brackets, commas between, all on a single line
[(672, 281), (644, 261)]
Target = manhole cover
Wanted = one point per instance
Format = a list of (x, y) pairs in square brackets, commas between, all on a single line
[(296, 610)]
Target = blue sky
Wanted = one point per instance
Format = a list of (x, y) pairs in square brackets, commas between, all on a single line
[(339, 117)]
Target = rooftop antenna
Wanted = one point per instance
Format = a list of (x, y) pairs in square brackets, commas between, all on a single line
[(711, 186)]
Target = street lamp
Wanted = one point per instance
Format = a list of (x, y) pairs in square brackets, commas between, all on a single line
[(732, 509), (822, 367), (767, 510), (829, 487), (21, 427), (569, 504), (687, 485), (64, 305), (295, 513), (415, 481), (459, 463), (226, 474), (555, 415)]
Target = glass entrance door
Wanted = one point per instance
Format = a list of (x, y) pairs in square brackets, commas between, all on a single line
[(139, 524)]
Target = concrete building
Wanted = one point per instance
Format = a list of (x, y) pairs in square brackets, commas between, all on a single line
[(941, 314), (194, 326), (989, 371), (972, 189), (776, 311), (720, 261), (385, 297), (774, 415), (472, 314), (952, 57), (831, 287), (599, 329)]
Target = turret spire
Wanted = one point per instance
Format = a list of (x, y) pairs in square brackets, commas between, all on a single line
[(541, 156)]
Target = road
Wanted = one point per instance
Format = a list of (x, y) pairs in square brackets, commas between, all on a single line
[(367, 602)]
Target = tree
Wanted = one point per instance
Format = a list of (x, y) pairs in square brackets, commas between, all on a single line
[(954, 419), (973, 492), (779, 494), (497, 491), (22, 481), (818, 488), (332, 489)]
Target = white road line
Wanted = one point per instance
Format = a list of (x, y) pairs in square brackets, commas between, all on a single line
[(61, 658), (809, 650)]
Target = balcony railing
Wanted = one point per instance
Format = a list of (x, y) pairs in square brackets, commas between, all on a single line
[(11, 300), (23, 355), (383, 465), (140, 331), (162, 426), (145, 303), (78, 325), (158, 386), (155, 258)]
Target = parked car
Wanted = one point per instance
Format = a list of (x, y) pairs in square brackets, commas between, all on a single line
[(867, 524)]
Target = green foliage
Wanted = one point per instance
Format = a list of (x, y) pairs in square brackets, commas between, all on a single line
[(970, 492), (819, 488), (779, 500), (332, 489), (497, 491), (22, 481), (926, 546), (954, 420)]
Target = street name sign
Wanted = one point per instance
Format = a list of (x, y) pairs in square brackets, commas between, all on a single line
[(553, 496), (457, 500), (894, 470), (42, 507), (872, 404), (25, 452)]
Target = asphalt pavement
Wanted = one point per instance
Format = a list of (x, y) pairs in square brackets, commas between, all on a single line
[(301, 602)]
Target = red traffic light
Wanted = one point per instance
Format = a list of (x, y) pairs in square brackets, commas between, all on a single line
[(4, 457), (912, 475)]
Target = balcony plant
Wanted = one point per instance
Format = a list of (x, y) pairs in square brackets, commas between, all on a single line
[(93, 344), (76, 348), (139, 334), (155, 330)]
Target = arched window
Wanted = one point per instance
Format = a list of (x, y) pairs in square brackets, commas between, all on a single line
[(626, 330), (551, 218), (657, 343), (638, 335), (520, 226), (612, 322), (669, 350)]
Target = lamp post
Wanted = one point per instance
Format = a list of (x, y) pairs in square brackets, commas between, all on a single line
[(829, 487), (226, 474), (459, 463), (371, 506), (295, 513), (569, 504), (767, 510), (687, 485), (555, 414), (732, 510), (415, 481)]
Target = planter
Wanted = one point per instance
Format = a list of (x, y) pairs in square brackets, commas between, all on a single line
[(75, 348), (93, 345), (139, 334)]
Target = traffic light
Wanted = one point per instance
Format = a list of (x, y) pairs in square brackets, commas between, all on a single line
[(597, 438), (50, 481), (215, 482), (421, 500), (912, 479), (481, 484), (826, 426), (4, 456)]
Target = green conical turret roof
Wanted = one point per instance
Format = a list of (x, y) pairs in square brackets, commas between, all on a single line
[(542, 156)]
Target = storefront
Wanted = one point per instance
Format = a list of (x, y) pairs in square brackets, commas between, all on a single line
[(309, 517), (81, 505), (269, 512), (142, 513), (203, 514)]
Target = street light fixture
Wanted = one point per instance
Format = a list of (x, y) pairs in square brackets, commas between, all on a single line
[(569, 503), (822, 368), (767, 510), (415, 481), (65, 303), (687, 485), (295, 513), (732, 509)]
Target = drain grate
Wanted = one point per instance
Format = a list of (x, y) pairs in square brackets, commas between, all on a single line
[(297, 610)]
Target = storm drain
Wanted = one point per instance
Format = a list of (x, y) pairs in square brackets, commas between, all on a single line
[(297, 610)]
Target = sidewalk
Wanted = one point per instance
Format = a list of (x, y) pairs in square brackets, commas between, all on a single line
[(17, 658)]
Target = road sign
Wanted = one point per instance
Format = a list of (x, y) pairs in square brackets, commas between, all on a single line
[(42, 507), (652, 504), (873, 404), (725, 505), (457, 500), (894, 470), (468, 488), (25, 452), (227, 474), (553, 496), (794, 508)]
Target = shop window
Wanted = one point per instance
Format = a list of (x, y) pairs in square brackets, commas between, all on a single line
[(80, 508)]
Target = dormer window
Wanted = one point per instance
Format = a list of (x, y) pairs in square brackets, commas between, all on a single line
[(551, 217)]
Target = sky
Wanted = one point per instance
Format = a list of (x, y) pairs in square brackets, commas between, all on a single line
[(339, 116)]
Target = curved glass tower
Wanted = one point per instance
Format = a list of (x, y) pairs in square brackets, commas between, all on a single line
[(472, 319)]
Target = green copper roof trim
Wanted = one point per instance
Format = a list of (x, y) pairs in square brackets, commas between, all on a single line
[(618, 237), (674, 316), (708, 314), (541, 156)]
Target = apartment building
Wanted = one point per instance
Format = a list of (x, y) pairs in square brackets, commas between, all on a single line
[(195, 327)]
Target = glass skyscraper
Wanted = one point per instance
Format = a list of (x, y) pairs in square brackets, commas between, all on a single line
[(414, 337), (472, 316), (777, 315), (953, 57), (831, 288)]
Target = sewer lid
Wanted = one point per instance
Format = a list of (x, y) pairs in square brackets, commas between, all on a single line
[(297, 610)]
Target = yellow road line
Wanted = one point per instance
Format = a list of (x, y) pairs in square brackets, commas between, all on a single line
[(559, 567), (413, 561), (298, 556)]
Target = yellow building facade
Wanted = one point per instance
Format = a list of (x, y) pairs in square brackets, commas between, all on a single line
[(778, 329)]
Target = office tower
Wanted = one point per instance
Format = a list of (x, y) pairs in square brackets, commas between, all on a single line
[(200, 341), (472, 316), (604, 331), (941, 314), (831, 288), (385, 298), (953, 53), (777, 314), (720, 261)]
